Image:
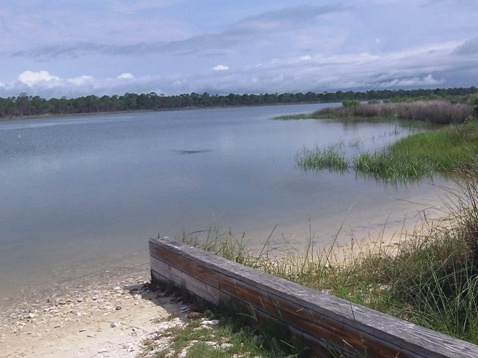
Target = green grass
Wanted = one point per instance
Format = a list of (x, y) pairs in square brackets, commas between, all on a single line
[(447, 150), (331, 158), (224, 340), (232, 336), (295, 117)]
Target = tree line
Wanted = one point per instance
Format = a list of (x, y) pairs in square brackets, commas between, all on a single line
[(25, 105)]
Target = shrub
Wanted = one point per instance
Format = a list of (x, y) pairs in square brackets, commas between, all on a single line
[(350, 103)]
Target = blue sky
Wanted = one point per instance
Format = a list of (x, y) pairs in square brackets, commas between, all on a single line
[(73, 48)]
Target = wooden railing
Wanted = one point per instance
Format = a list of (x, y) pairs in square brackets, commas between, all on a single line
[(322, 322)]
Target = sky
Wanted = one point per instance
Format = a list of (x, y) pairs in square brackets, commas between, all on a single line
[(73, 48)]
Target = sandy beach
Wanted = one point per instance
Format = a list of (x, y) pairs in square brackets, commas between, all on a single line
[(111, 312), (107, 315)]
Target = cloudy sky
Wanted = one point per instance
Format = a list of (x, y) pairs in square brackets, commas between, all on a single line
[(72, 48)]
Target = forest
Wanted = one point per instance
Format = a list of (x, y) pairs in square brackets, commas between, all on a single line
[(25, 105)]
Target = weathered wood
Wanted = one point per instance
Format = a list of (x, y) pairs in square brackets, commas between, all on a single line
[(319, 319)]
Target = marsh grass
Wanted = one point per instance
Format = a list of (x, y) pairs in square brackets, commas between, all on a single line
[(434, 111), (447, 150), (331, 158)]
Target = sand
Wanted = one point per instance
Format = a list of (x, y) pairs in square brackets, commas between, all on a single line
[(103, 315)]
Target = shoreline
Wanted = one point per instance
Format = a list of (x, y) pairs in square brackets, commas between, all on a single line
[(191, 108), (102, 315), (112, 312)]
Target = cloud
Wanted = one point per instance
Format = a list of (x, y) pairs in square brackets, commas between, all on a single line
[(125, 76), (469, 47), (272, 23), (342, 45), (220, 68), (290, 17), (31, 78), (80, 81), (405, 82)]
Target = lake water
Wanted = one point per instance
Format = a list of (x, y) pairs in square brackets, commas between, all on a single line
[(83, 194)]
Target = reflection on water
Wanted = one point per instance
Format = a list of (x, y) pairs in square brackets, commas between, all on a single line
[(83, 193)]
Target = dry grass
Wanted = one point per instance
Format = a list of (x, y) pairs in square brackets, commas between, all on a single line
[(437, 111)]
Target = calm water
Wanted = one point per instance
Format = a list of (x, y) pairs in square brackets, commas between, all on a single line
[(81, 194)]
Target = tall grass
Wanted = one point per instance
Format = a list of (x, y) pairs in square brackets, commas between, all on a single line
[(437, 111), (447, 150), (331, 158)]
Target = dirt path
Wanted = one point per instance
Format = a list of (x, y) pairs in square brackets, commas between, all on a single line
[(98, 316)]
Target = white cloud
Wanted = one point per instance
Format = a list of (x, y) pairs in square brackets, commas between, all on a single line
[(221, 68), (31, 78), (125, 76), (412, 82), (81, 80)]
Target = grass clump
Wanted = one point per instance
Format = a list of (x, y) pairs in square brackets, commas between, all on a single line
[(447, 150), (223, 340), (216, 332), (331, 158)]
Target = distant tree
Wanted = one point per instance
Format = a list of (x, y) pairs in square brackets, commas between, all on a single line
[(350, 103)]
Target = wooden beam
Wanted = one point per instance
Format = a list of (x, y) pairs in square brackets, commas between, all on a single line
[(319, 319)]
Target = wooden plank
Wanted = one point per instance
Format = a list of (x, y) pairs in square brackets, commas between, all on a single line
[(158, 280), (175, 258), (195, 286), (308, 313), (308, 321), (160, 267), (356, 324), (164, 274)]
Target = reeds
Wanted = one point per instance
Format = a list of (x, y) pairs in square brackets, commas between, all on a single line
[(331, 158), (447, 150), (437, 111)]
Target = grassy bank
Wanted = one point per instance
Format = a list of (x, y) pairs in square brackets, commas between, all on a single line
[(428, 275), (446, 149)]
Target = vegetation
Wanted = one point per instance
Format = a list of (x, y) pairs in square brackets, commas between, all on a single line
[(350, 103), (429, 276), (227, 338), (445, 150), (25, 105), (329, 158), (436, 111)]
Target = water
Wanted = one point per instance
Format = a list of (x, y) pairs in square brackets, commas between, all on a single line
[(82, 194)]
